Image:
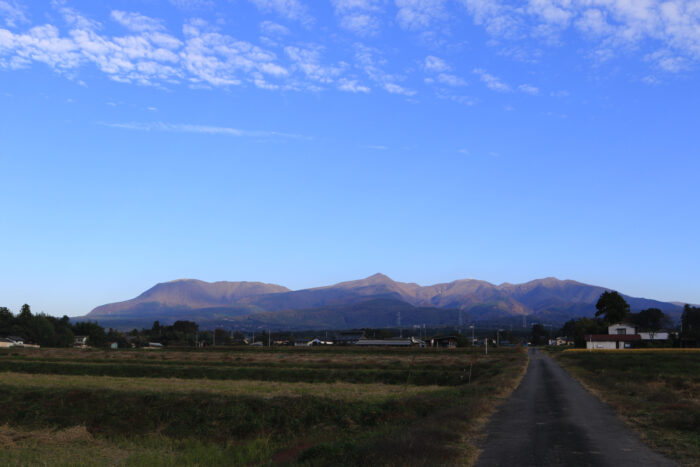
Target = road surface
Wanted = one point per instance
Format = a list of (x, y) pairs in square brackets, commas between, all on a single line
[(551, 420)]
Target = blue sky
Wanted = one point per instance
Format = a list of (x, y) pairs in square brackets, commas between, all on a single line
[(305, 143)]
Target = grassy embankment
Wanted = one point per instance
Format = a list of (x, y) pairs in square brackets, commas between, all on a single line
[(248, 407), (656, 392)]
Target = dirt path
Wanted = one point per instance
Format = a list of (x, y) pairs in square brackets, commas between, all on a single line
[(551, 420)]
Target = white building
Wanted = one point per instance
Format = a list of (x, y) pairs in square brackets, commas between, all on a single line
[(622, 328), (611, 341), (621, 336), (6, 343)]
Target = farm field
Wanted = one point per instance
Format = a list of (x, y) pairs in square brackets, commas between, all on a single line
[(279, 406), (657, 393)]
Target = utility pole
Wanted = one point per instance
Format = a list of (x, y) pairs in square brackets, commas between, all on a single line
[(213, 338), (269, 342), (486, 343)]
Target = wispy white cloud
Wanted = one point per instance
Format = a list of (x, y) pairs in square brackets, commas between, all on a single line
[(371, 61), (12, 13), (293, 10), (192, 4), (394, 88), (201, 129), (529, 89), (491, 81), (438, 68), (352, 86), (136, 22), (359, 16), (435, 64), (671, 27), (419, 14), (308, 60), (450, 79), (271, 28)]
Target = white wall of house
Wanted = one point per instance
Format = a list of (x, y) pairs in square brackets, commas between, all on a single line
[(601, 345), (658, 336), (621, 328)]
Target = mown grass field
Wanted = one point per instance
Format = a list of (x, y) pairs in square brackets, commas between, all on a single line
[(249, 406), (656, 392)]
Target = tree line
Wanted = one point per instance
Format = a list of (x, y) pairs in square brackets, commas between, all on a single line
[(612, 308), (49, 331)]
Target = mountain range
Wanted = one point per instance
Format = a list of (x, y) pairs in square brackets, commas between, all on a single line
[(376, 301)]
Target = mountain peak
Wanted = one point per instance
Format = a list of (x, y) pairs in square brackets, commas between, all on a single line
[(378, 278)]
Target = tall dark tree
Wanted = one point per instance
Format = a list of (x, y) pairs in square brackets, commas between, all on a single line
[(25, 314), (539, 336), (650, 320), (612, 307), (97, 337), (7, 319), (690, 322)]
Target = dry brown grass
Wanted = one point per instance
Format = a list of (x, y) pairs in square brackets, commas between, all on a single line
[(342, 391), (13, 436), (657, 394), (379, 358)]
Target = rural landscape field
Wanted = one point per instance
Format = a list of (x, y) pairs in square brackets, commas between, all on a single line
[(249, 406), (350, 233)]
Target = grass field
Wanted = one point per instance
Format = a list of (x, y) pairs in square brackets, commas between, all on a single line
[(657, 393), (248, 406)]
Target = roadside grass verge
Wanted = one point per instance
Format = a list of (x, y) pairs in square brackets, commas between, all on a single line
[(656, 393)]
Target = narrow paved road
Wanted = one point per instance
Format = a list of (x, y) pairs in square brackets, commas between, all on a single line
[(551, 420)]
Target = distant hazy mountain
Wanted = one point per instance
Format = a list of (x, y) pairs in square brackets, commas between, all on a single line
[(374, 301), (187, 294)]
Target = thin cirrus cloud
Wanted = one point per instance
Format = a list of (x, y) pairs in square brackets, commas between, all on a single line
[(201, 129)]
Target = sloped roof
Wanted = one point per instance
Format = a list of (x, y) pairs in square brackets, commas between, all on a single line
[(613, 337)]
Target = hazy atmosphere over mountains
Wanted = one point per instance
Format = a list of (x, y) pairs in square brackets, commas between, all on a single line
[(371, 302)]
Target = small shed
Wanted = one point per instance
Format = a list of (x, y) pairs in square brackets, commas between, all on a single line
[(348, 338), (448, 342), (81, 341)]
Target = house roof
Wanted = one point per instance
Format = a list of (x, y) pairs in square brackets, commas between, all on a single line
[(613, 337)]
